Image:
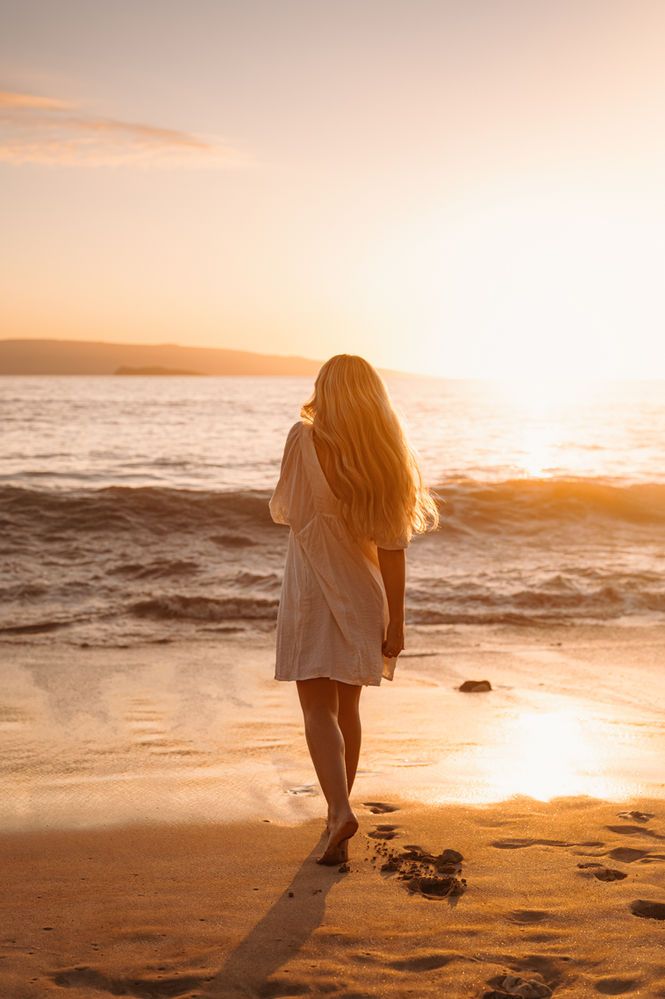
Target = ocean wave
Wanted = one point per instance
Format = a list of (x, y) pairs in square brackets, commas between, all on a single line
[(156, 570), (525, 608), (520, 503), (121, 508), (33, 628), (554, 600), (232, 519), (180, 607), (543, 604), (23, 592), (158, 562)]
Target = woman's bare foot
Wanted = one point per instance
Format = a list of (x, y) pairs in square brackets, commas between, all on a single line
[(336, 851)]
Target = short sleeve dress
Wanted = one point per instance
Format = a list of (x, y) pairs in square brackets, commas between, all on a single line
[(333, 609)]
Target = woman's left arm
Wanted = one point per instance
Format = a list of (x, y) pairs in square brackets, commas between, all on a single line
[(392, 563)]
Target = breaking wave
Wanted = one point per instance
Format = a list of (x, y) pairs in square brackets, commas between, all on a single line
[(140, 563), (465, 504)]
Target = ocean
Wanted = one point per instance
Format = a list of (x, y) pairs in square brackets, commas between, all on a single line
[(135, 510)]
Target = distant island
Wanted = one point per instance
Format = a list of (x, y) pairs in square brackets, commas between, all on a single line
[(154, 371), (87, 357)]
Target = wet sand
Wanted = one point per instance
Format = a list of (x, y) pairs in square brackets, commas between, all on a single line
[(202, 731), (161, 821)]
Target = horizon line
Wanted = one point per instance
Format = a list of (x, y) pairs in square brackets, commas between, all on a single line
[(300, 357)]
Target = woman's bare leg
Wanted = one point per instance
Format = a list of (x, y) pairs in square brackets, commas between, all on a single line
[(348, 718), (319, 702)]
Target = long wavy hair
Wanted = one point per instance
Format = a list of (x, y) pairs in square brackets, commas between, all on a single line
[(377, 478)]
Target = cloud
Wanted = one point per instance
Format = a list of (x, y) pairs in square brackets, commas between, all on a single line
[(9, 99), (48, 130)]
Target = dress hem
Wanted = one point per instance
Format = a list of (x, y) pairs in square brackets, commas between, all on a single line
[(326, 676)]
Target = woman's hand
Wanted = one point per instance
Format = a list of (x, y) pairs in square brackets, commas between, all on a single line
[(394, 640)]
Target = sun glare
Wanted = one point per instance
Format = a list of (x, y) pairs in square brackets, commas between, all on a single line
[(545, 396)]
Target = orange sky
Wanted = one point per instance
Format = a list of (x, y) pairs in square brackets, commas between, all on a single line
[(466, 189)]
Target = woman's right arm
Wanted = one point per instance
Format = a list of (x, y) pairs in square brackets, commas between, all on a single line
[(280, 502)]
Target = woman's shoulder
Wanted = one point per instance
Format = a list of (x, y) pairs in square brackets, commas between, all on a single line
[(294, 431)]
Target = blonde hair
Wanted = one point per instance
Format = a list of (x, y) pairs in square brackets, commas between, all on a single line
[(377, 478)]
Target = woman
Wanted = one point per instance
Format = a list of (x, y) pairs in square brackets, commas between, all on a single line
[(351, 491)]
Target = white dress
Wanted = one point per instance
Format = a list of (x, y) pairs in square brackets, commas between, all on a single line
[(333, 610)]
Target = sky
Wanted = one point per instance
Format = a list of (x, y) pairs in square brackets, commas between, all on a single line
[(466, 189)]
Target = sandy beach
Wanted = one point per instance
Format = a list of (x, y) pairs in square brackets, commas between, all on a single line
[(243, 910), (163, 819)]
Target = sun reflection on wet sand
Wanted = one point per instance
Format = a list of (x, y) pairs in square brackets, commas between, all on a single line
[(549, 754)]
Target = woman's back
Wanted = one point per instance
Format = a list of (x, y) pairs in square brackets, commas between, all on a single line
[(326, 463)]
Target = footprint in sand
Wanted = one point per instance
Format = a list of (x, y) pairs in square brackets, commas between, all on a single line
[(514, 985), (435, 887), (603, 873), (424, 962), (635, 831), (432, 876), (384, 832), (615, 986), (303, 789), (380, 807), (627, 855), (524, 916), (143, 988), (636, 816), (647, 909), (520, 844)]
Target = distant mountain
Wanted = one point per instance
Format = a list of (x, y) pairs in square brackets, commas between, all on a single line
[(85, 357), (153, 371)]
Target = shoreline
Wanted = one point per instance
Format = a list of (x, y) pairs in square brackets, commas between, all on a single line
[(203, 732)]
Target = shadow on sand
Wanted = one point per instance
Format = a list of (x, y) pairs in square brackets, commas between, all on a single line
[(278, 937)]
